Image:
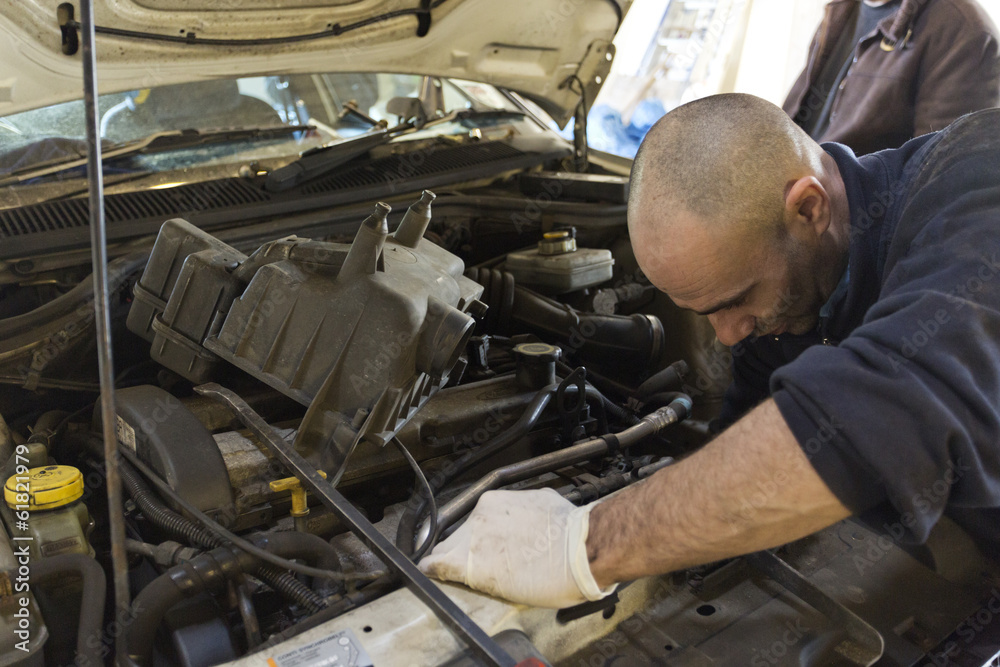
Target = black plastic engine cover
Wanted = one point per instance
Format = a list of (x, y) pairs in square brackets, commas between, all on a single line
[(170, 439)]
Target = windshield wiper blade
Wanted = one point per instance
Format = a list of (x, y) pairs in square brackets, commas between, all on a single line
[(465, 114), (318, 161), (157, 142)]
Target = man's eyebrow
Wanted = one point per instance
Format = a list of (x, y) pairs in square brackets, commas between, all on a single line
[(733, 301)]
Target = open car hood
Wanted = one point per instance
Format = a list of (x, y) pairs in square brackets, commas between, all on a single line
[(534, 47)]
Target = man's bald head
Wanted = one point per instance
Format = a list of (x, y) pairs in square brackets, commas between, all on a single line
[(737, 214), (725, 159)]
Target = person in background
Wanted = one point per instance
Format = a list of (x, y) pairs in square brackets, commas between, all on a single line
[(880, 72)]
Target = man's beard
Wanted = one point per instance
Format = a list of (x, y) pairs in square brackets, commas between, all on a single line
[(795, 324), (797, 311)]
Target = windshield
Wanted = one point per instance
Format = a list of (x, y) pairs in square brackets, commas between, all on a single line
[(58, 132)]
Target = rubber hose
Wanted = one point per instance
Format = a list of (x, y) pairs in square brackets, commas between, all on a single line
[(372, 591), (285, 583), (625, 343), (620, 341), (88, 652), (293, 544), (207, 572), (313, 549), (160, 515), (498, 294), (527, 421), (41, 433), (662, 398), (617, 412), (119, 271), (406, 531), (46, 423), (667, 378)]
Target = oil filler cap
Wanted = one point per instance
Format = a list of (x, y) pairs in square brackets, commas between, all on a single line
[(536, 364), (47, 487), (537, 352)]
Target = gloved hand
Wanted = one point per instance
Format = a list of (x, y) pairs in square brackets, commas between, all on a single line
[(524, 546)]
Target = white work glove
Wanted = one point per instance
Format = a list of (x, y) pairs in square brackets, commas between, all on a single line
[(524, 546)]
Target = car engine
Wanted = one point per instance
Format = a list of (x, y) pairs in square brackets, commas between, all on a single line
[(371, 358)]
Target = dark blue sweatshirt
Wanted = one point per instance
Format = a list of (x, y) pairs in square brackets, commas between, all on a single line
[(895, 398)]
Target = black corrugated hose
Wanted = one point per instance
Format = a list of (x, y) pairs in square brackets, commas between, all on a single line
[(159, 514), (162, 516)]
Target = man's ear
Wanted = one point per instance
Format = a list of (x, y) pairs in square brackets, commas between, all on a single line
[(807, 207)]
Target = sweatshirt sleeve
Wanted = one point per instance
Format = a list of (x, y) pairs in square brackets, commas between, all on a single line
[(907, 408)]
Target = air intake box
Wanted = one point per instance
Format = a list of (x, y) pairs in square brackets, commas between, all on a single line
[(363, 333)]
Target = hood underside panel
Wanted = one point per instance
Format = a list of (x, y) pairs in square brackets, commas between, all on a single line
[(530, 46)]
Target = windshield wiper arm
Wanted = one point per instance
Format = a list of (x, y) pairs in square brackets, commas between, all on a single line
[(154, 143), (318, 161)]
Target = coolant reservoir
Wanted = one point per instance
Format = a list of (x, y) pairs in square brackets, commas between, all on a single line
[(557, 266), (47, 508)]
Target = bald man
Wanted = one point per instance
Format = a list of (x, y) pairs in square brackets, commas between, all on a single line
[(862, 298)]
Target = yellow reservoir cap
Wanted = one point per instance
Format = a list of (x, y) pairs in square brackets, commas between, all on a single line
[(46, 488)]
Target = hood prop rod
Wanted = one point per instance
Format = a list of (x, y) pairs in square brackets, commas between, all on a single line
[(102, 313)]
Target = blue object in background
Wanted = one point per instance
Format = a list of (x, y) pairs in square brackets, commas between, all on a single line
[(607, 132)]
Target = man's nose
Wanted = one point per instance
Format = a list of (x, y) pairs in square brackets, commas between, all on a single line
[(731, 328)]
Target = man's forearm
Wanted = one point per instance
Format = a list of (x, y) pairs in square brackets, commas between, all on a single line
[(751, 488)]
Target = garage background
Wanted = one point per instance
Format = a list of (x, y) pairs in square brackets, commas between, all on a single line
[(669, 53)]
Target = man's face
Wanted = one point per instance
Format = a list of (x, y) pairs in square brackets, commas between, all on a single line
[(745, 283)]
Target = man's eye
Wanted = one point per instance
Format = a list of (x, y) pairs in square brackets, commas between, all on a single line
[(734, 305)]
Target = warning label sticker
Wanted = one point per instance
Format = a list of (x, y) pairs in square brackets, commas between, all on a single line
[(341, 649), (125, 432)]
